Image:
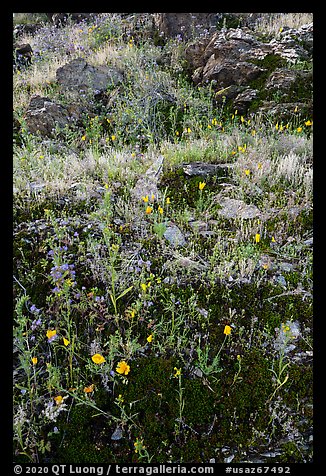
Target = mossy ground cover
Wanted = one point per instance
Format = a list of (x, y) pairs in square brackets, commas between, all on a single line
[(127, 347)]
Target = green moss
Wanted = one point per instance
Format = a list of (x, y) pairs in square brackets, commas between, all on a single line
[(244, 405), (86, 438)]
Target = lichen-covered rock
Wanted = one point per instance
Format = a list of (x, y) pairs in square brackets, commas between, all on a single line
[(79, 75), (45, 116), (233, 208), (244, 70)]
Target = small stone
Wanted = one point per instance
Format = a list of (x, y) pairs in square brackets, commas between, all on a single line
[(174, 236)]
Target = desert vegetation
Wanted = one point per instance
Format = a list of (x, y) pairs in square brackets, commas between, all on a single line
[(162, 255)]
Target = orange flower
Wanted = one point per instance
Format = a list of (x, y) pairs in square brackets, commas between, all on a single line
[(89, 389), (148, 210)]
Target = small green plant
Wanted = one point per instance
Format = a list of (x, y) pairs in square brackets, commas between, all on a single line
[(279, 368), (181, 401), (202, 361)]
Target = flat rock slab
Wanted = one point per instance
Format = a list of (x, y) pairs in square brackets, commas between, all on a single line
[(202, 169), (79, 75), (232, 208)]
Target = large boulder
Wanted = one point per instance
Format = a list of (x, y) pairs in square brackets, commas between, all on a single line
[(23, 55), (45, 117), (79, 75), (243, 69), (184, 25)]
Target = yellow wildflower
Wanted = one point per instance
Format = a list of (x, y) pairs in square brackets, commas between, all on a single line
[(98, 359), (247, 172), (113, 137), (145, 199), (160, 210), (83, 138), (257, 237), (201, 185), (66, 341), (177, 372), (299, 129), (123, 368), (227, 330), (148, 210), (168, 200), (34, 360), (144, 286), (307, 123), (58, 399), (50, 333), (150, 338)]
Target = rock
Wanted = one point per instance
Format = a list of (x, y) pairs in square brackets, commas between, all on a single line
[(294, 45), (203, 169), (174, 236), (184, 24), (26, 29), (79, 75), (23, 55), (234, 60), (229, 72), (44, 116), (232, 208), (243, 100), (147, 185), (285, 80), (117, 434), (284, 111)]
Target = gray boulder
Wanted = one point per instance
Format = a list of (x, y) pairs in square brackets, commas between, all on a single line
[(79, 75)]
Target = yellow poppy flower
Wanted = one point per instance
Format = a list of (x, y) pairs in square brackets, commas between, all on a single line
[(58, 399), (227, 330), (148, 210), (98, 359), (50, 333), (123, 368)]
